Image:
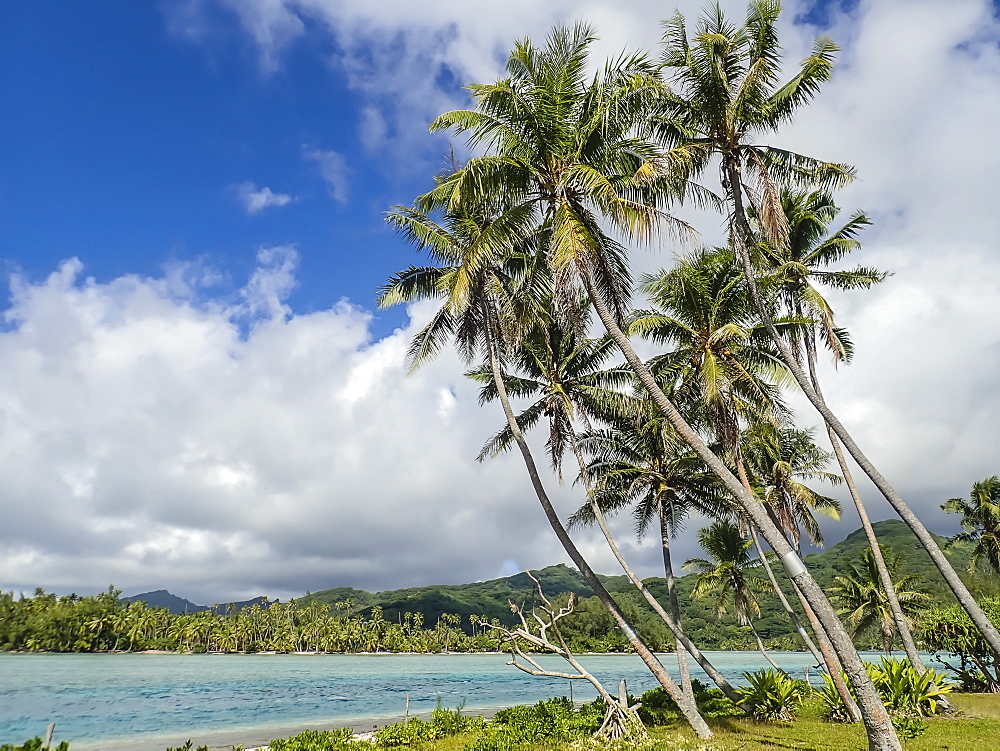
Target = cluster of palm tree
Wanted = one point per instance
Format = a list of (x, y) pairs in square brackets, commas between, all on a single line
[(46, 622), (529, 241)]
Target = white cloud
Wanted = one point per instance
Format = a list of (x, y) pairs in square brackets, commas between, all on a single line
[(333, 170), (255, 199), (150, 439)]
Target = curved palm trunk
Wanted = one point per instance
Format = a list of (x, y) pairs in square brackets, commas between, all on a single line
[(826, 654), (742, 231), (803, 634), (672, 623), (686, 704), (763, 651), (675, 608), (829, 656), (905, 636), (786, 606), (881, 734)]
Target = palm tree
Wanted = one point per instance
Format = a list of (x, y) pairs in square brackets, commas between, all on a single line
[(863, 600), (727, 93), (980, 522), (640, 463), (779, 459), (795, 268), (722, 358), (728, 573), (577, 153), (563, 372), (480, 312)]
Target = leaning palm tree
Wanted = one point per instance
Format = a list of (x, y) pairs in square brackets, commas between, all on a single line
[(720, 356), (481, 280), (640, 464), (729, 574), (796, 268), (781, 460), (578, 153), (726, 95), (561, 373), (980, 523), (862, 598)]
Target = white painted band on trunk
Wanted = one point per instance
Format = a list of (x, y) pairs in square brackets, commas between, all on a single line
[(793, 564)]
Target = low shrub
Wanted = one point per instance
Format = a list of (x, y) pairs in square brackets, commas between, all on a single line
[(904, 691), (35, 744), (772, 695), (317, 740), (659, 709), (547, 722)]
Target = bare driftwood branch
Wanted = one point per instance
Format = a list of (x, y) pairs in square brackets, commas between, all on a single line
[(620, 720)]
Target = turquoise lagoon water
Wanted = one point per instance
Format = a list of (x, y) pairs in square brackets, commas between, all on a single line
[(123, 702)]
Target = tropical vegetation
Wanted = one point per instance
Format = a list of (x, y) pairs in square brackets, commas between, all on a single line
[(530, 238)]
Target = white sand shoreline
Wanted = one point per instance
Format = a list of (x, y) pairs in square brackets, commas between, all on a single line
[(256, 738)]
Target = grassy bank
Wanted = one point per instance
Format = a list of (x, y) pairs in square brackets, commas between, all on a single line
[(974, 724)]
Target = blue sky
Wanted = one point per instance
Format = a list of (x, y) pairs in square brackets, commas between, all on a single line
[(190, 190), (129, 143)]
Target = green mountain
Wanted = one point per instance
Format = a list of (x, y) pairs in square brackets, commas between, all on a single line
[(490, 598)]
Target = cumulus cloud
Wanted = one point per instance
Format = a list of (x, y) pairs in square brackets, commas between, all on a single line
[(333, 170), (150, 438), (255, 199), (151, 435)]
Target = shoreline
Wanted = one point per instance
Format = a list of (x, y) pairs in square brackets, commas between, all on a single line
[(257, 738)]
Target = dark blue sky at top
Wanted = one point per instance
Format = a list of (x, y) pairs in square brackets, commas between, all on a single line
[(120, 144)]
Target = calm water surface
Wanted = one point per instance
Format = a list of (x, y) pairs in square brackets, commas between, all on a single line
[(149, 701)]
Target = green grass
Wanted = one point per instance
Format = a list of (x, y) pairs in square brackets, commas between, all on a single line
[(975, 725)]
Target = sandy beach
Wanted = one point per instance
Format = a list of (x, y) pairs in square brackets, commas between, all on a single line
[(253, 738)]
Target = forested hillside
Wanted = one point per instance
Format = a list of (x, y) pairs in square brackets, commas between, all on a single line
[(593, 625)]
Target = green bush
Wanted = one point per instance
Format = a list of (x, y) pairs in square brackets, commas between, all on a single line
[(316, 740), (443, 723), (35, 744), (904, 691), (833, 705), (659, 709), (547, 722), (772, 695), (188, 747)]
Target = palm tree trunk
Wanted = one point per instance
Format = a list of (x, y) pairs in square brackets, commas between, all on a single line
[(803, 634), (740, 233), (672, 623), (686, 704), (829, 656), (881, 734), (786, 606), (675, 609), (826, 654), (760, 648), (905, 636)]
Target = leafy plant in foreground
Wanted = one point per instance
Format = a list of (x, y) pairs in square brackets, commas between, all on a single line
[(35, 744), (545, 723), (773, 695), (317, 740), (659, 709), (905, 691)]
